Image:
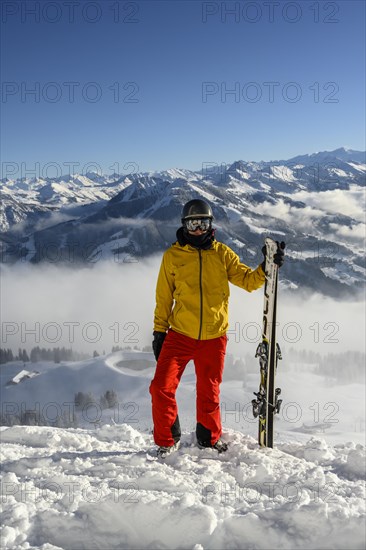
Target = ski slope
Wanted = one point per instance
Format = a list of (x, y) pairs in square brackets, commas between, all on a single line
[(100, 486), (105, 489)]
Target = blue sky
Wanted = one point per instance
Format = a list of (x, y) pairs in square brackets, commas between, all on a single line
[(296, 68)]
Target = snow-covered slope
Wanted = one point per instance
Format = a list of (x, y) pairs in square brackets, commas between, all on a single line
[(25, 200), (16, 209), (102, 487), (76, 489), (309, 399)]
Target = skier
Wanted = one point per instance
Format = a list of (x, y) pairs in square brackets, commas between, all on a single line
[(190, 323)]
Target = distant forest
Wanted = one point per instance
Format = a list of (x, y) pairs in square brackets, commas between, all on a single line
[(344, 367), (41, 354), (55, 354)]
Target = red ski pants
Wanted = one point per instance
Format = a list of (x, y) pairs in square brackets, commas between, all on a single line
[(208, 357)]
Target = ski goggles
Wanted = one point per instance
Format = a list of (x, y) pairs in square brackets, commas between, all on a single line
[(204, 224)]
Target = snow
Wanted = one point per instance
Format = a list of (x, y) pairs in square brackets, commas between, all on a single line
[(204, 194), (359, 167), (173, 174), (66, 190), (338, 172), (23, 375), (101, 486), (106, 489), (110, 250), (339, 272), (283, 173)]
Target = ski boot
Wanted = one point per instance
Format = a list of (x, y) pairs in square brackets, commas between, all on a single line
[(219, 446), (163, 452)]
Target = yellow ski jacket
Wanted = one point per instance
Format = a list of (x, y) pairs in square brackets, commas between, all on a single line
[(192, 292)]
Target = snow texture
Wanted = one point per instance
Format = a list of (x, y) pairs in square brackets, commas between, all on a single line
[(104, 488)]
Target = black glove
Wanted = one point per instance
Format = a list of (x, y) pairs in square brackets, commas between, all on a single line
[(158, 342), (279, 256)]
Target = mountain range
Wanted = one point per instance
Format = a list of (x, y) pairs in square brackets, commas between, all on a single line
[(315, 203)]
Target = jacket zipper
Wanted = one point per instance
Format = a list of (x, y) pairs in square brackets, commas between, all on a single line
[(201, 298)]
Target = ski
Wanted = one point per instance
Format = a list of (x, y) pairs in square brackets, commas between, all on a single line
[(267, 403)]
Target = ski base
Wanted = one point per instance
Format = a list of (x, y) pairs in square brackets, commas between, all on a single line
[(267, 402)]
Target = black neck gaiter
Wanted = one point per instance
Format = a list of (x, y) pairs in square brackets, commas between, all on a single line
[(203, 241)]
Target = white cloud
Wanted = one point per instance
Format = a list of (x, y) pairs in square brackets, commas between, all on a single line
[(116, 302), (302, 217), (112, 300), (355, 233), (350, 202), (311, 322)]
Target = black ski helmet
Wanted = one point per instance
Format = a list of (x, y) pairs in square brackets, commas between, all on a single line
[(196, 208)]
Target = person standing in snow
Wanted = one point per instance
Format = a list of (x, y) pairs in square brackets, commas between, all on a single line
[(190, 323)]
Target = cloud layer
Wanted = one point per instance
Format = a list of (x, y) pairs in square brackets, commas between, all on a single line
[(113, 304)]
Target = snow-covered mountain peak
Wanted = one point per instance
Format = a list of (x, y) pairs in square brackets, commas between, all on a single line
[(341, 153), (173, 174), (300, 198)]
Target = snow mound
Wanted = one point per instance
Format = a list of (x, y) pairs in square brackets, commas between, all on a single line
[(105, 488)]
